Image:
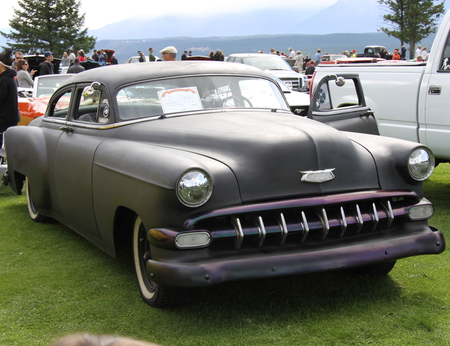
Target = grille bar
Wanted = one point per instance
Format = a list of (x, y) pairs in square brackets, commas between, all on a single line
[(310, 224)]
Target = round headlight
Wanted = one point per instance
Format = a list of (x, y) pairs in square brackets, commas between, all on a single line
[(194, 188), (420, 164)]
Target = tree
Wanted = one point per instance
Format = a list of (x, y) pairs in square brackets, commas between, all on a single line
[(411, 20), (53, 25)]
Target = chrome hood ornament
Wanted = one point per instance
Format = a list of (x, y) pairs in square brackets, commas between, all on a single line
[(317, 177)]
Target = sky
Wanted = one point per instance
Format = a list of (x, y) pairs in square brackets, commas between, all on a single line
[(99, 13)]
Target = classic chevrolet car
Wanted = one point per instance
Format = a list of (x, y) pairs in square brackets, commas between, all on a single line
[(201, 170)]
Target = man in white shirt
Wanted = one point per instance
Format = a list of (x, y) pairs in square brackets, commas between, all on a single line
[(418, 52), (292, 53)]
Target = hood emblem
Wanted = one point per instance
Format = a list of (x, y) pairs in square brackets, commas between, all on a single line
[(317, 177)]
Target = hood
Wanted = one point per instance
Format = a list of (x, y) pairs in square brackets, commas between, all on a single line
[(267, 151)]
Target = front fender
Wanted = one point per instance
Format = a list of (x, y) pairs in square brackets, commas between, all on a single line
[(142, 177)]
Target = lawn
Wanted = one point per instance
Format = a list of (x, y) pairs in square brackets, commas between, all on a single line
[(53, 283)]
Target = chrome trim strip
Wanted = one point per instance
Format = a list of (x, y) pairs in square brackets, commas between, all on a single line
[(359, 219), (375, 217), (343, 223), (305, 227), (387, 205), (239, 232), (262, 230), (284, 229), (326, 224)]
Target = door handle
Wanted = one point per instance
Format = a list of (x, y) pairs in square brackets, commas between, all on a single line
[(434, 90), (66, 129)]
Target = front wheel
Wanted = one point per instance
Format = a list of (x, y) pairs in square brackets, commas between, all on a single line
[(153, 294), (35, 215), (378, 269)]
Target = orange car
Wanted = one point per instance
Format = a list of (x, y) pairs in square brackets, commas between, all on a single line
[(33, 103)]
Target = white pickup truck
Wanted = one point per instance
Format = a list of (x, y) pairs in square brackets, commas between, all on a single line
[(410, 100)]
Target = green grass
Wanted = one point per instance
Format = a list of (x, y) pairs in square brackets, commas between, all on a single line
[(53, 283)]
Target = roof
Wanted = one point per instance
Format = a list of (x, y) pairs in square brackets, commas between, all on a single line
[(116, 75)]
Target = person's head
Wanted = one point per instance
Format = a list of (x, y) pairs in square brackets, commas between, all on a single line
[(48, 56), (18, 55), (5, 60), (169, 53), (150, 50), (81, 53), (298, 52), (99, 340), (290, 49), (319, 50), (65, 55), (22, 64), (76, 61)]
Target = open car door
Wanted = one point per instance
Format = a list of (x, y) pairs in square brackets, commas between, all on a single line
[(338, 101)]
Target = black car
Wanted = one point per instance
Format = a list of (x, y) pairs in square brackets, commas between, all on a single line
[(202, 171)]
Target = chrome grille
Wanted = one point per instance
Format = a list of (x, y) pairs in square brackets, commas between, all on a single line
[(307, 220), (294, 83)]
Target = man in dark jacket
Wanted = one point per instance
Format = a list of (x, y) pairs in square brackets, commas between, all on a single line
[(9, 109), (46, 67)]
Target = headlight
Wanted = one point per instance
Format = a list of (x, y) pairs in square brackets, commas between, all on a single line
[(420, 164), (194, 188)]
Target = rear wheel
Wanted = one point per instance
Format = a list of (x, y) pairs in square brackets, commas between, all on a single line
[(35, 215), (153, 294)]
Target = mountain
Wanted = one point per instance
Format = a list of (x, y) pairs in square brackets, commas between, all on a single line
[(345, 16)]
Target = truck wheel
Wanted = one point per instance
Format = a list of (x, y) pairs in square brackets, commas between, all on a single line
[(34, 214), (153, 294), (379, 269)]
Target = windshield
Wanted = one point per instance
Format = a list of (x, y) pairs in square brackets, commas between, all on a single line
[(267, 62), (161, 97), (46, 86)]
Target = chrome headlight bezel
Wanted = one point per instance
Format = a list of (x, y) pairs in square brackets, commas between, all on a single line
[(194, 188), (420, 163)]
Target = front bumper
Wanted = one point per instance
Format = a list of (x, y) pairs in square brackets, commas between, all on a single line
[(203, 267)]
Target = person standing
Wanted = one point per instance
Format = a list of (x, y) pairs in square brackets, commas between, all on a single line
[(65, 61), (424, 54), (71, 56), (46, 67), (151, 57), (141, 56), (418, 51), (169, 53), (17, 57), (23, 76), (9, 108), (396, 56), (318, 55), (403, 52), (76, 67), (299, 59), (291, 53), (95, 56)]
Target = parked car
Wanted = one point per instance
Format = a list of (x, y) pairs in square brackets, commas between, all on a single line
[(33, 102), (276, 65), (203, 172), (298, 101), (331, 58), (135, 59)]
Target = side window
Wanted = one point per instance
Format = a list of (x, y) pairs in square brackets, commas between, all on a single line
[(332, 95), (61, 106), (445, 60), (93, 106)]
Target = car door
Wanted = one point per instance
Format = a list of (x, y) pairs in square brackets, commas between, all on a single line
[(87, 127), (338, 101), (434, 112)]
